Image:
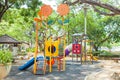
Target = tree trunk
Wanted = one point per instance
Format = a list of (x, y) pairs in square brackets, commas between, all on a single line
[(1, 14), (95, 47), (4, 7)]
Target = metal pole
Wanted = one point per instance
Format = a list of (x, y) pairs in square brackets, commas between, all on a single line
[(85, 20), (85, 31)]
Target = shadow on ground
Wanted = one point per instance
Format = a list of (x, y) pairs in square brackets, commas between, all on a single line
[(74, 71)]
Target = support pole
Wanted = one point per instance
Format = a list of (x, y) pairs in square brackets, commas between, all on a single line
[(85, 31), (64, 46), (50, 66), (36, 49), (64, 54)]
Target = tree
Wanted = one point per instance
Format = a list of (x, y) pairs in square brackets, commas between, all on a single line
[(7, 4), (20, 22), (97, 5), (100, 29), (20, 19)]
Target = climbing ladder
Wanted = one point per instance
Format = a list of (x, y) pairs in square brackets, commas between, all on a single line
[(41, 66)]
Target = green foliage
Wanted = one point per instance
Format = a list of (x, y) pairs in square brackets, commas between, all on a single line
[(4, 26), (96, 53), (33, 4), (30, 49), (5, 57), (112, 26), (101, 29), (18, 23), (105, 54)]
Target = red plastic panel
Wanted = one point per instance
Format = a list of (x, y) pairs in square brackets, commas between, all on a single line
[(76, 48)]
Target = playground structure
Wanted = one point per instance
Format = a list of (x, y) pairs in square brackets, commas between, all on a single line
[(77, 46), (52, 49), (54, 52), (82, 48)]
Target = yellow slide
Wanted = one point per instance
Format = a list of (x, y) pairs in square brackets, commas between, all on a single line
[(94, 58)]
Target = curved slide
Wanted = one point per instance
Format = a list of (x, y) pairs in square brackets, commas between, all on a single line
[(30, 63), (68, 49)]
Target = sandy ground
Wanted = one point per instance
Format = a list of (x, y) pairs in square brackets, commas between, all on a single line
[(100, 70), (110, 71)]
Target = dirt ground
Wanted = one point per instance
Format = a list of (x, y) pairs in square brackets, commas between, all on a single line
[(110, 71), (99, 70)]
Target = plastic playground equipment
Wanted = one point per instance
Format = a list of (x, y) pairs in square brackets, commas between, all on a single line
[(81, 50), (30, 63), (52, 52), (52, 48)]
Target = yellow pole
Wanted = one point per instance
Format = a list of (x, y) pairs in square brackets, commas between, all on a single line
[(91, 47), (36, 49), (50, 66), (64, 54), (36, 46), (64, 46), (58, 61)]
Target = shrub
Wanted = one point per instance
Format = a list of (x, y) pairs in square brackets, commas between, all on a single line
[(5, 57), (105, 54)]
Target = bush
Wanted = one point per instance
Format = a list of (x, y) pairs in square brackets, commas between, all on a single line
[(105, 54), (30, 49), (5, 57), (96, 53)]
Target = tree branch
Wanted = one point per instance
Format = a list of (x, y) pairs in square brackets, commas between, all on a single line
[(103, 13), (1, 7), (5, 7), (114, 10), (109, 36)]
